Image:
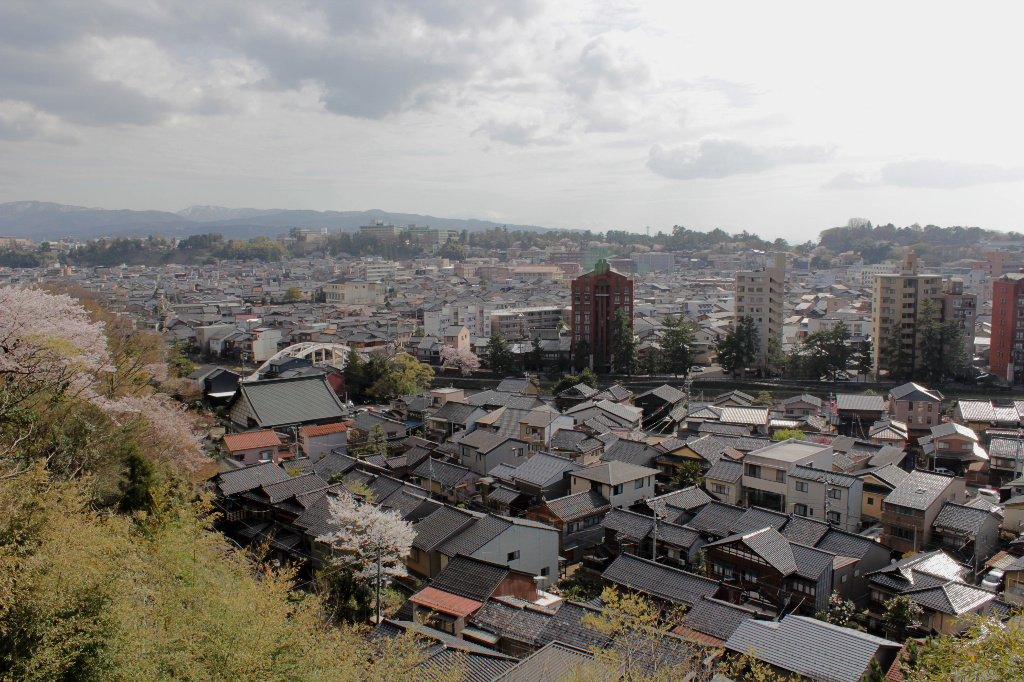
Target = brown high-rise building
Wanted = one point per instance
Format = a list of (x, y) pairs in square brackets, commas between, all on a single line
[(1006, 354), (596, 296)]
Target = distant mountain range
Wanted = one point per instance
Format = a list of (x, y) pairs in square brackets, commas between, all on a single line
[(42, 220)]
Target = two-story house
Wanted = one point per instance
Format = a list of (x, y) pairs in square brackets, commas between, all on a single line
[(918, 407), (909, 511), (953, 447), (765, 471), (538, 426), (804, 405), (878, 482), (620, 483), (481, 451), (253, 447), (969, 533), (452, 418), (825, 495)]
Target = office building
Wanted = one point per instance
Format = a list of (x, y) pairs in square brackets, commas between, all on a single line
[(1006, 354), (596, 295)]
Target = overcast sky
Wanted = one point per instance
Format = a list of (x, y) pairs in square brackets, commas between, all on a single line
[(782, 118)]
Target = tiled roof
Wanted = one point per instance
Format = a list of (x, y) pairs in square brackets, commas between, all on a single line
[(658, 580), (470, 578), (440, 525), (804, 398), (614, 472), (810, 647), (954, 599), (716, 618), (915, 392), (324, 429), (716, 518), (265, 438), (542, 468), (551, 663), (687, 498), (845, 544), (976, 410), (756, 518), (952, 428), (918, 490), (445, 473), (436, 600), (567, 626), (860, 403), (627, 524), (754, 416), (890, 474), (664, 392), (580, 390), (578, 506), (475, 535), (833, 478), (298, 400), (725, 470), (513, 618), (1007, 448), (482, 441), (294, 485), (768, 544), (804, 530), (248, 478), (456, 413), (961, 518)]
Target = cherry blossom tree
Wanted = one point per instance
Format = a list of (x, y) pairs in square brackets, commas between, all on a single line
[(48, 345), (368, 542), (465, 361)]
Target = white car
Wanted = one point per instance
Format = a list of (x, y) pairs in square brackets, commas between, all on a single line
[(992, 579), (696, 368)]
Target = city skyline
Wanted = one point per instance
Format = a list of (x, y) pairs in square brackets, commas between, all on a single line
[(780, 121)]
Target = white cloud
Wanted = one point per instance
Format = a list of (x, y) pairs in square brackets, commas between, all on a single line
[(936, 174), (714, 158), (847, 180)]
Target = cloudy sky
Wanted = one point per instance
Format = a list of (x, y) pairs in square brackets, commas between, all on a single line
[(782, 118)]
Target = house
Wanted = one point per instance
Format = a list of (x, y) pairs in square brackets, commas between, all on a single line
[(765, 470), (877, 482), (826, 495), (538, 426), (725, 481), (578, 446), (316, 440), (620, 483), (909, 511), (658, 402), (952, 446), (889, 432), (517, 385), (576, 517), (667, 586), (443, 651), (856, 413), (610, 414), (970, 534), (574, 395), (1013, 587), (804, 405), (937, 582), (1007, 460), (452, 418), (359, 429), (812, 649), (481, 451), (457, 337), (916, 406), (544, 477), (449, 480), (284, 403), (754, 418), (520, 544), (254, 447), (630, 451), (734, 399)]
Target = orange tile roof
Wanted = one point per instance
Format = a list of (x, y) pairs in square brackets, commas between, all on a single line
[(444, 602), (325, 429), (252, 439)]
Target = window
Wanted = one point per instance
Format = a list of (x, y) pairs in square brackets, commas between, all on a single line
[(835, 493), (547, 571), (720, 489), (753, 470), (513, 556), (801, 486), (903, 533), (800, 509), (871, 502), (617, 490), (780, 476), (832, 517), (240, 458), (639, 483), (843, 579)]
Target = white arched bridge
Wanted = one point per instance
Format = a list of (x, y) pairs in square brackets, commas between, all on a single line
[(332, 354)]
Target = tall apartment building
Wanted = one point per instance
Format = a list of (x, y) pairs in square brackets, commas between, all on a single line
[(596, 295), (897, 300), (518, 323), (376, 270), (1006, 355), (379, 228), (759, 296)]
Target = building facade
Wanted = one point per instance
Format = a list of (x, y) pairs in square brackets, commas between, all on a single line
[(1006, 356), (596, 296), (759, 296)]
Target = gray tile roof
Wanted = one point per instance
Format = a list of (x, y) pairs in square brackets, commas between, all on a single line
[(860, 403), (833, 478), (805, 531), (281, 402), (567, 626), (810, 647), (630, 451), (725, 470), (628, 525), (919, 490), (686, 498), (756, 518), (718, 619), (470, 578), (442, 524), (961, 518), (482, 441), (248, 478), (890, 474), (578, 506), (767, 543), (716, 518), (664, 392), (513, 619), (976, 410), (551, 663), (474, 536), (614, 472), (1007, 448), (455, 413), (659, 581), (845, 544), (915, 392), (542, 468)]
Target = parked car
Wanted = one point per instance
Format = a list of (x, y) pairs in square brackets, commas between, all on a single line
[(842, 376), (944, 471), (696, 368), (992, 580)]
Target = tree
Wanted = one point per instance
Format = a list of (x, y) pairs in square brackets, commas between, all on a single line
[(687, 474), (376, 443), (928, 342), (899, 362), (178, 365), (569, 380), (453, 250), (581, 355), (138, 482), (839, 611), (864, 359), (499, 356), (827, 351), (464, 360), (786, 434), (293, 295), (700, 563), (738, 349), (677, 344), (536, 355), (901, 614), (624, 354), (775, 357), (954, 349), (373, 543), (764, 399), (402, 375)]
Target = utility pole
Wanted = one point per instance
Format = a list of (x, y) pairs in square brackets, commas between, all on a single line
[(378, 584), (654, 543)]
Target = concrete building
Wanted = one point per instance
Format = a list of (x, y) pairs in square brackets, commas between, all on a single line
[(354, 292), (376, 270), (766, 471), (381, 229), (759, 296), (620, 483), (1006, 357), (596, 296)]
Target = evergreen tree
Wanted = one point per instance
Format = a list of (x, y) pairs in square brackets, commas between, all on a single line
[(581, 355), (687, 474), (897, 360), (954, 350), (827, 352), (624, 355), (928, 343), (499, 356), (376, 443), (775, 359), (864, 359), (738, 349), (677, 344), (901, 614), (354, 374), (536, 356), (139, 480)]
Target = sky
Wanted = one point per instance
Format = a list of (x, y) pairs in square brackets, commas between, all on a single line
[(780, 118)]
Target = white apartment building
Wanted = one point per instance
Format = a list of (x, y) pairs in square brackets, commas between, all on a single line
[(759, 296), (766, 471)]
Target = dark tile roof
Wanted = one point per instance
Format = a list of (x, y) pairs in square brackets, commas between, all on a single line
[(475, 535), (716, 518), (805, 531), (248, 478), (440, 525), (961, 518), (580, 390), (952, 598), (716, 618), (294, 485), (627, 524), (614, 472), (482, 441), (298, 400), (615, 393), (567, 626), (513, 619), (445, 473), (676, 535), (690, 499), (551, 663), (664, 392), (915, 392), (578, 506), (810, 647), (456, 413), (841, 543), (659, 581), (860, 403), (542, 467), (755, 518), (470, 578), (725, 470), (768, 544), (631, 452), (474, 666), (812, 563)]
